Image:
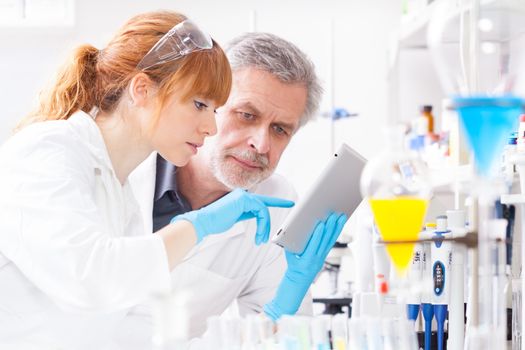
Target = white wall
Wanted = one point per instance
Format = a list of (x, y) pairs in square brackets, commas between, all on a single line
[(418, 85), (29, 57)]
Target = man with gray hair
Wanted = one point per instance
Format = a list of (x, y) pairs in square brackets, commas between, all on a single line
[(275, 91)]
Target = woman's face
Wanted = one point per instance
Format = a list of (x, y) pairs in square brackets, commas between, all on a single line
[(182, 127)]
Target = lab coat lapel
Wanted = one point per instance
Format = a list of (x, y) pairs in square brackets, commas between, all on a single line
[(142, 181)]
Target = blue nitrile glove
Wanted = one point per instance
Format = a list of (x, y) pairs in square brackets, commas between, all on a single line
[(303, 268), (236, 206)]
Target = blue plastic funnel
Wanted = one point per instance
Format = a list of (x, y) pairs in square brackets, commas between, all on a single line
[(486, 123)]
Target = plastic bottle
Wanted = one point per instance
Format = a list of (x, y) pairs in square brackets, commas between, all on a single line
[(441, 259), (508, 167), (427, 310), (415, 275), (521, 134)]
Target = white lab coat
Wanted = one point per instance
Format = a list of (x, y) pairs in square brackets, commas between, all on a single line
[(73, 254), (223, 268)]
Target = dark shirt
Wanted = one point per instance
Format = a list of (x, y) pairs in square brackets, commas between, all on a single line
[(168, 201)]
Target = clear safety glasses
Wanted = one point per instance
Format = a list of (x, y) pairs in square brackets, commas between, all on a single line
[(181, 40)]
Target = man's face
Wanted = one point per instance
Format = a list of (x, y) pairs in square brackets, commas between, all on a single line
[(254, 127)]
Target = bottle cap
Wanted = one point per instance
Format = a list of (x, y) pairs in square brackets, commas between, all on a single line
[(426, 108), (456, 218), (441, 221), (430, 225)]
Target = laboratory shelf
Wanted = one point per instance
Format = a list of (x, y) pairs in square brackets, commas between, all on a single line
[(513, 198), (413, 30)]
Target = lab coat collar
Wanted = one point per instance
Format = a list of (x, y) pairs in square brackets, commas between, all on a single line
[(86, 128)]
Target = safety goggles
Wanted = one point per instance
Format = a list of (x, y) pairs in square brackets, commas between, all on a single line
[(181, 40)]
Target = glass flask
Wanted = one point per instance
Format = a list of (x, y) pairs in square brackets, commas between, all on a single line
[(397, 186)]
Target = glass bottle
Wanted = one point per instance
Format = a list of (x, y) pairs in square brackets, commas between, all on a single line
[(426, 112)]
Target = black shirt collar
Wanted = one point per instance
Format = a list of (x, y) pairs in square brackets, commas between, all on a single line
[(166, 179)]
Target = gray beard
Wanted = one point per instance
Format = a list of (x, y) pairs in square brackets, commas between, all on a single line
[(235, 177)]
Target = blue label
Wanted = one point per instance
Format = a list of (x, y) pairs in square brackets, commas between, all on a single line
[(438, 273)]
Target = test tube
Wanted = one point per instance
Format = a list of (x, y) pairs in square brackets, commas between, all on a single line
[(231, 333), (406, 336), (339, 332), (213, 333), (170, 322), (257, 333), (223, 333), (320, 338), (374, 333), (356, 333), (251, 336), (388, 334), (287, 332), (516, 314)]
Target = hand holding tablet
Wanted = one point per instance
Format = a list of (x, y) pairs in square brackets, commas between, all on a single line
[(336, 190)]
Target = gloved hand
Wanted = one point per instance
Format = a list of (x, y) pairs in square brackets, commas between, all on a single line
[(303, 268), (236, 206)]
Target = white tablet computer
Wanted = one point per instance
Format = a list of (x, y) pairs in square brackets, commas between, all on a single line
[(336, 190)]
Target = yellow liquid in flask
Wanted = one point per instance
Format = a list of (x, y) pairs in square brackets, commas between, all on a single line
[(399, 219)]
